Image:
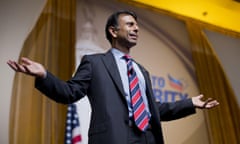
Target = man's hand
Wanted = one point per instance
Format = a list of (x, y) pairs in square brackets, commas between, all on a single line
[(207, 104), (28, 67)]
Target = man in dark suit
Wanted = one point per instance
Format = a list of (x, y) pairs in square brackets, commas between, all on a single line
[(105, 79)]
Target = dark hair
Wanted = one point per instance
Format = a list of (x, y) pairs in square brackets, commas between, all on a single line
[(113, 21)]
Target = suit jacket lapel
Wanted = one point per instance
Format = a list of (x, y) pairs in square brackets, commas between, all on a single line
[(112, 68)]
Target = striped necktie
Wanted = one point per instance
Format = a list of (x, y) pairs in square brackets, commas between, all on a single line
[(140, 114)]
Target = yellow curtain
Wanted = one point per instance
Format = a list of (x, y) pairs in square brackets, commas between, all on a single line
[(223, 121), (35, 119)]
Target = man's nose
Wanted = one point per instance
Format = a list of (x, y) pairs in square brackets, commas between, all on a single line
[(136, 28)]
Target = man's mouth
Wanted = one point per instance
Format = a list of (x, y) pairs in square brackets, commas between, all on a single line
[(133, 36)]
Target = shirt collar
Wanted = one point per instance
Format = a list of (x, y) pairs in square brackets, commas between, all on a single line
[(117, 53)]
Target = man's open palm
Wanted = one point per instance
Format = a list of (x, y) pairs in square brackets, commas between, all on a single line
[(28, 67)]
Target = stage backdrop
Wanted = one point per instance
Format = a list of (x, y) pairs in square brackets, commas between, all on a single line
[(163, 49)]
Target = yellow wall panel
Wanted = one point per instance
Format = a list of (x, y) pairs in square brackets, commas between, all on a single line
[(221, 13)]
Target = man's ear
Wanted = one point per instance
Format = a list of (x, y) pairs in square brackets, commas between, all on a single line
[(113, 31)]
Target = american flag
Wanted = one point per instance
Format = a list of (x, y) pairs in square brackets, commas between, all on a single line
[(72, 131)]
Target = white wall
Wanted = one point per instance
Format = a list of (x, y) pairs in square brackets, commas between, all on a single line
[(17, 19), (228, 49)]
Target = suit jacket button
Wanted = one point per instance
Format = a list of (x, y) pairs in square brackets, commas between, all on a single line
[(126, 121)]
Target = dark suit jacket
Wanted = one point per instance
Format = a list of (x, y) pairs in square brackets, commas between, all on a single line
[(98, 78)]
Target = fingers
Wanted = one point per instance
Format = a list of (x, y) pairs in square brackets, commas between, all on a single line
[(28, 67), (200, 96), (26, 61), (208, 100), (20, 68), (212, 104), (12, 65), (17, 67)]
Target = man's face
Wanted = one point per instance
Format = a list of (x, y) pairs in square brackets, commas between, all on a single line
[(127, 33)]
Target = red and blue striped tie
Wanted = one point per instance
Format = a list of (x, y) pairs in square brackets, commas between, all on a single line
[(140, 114)]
